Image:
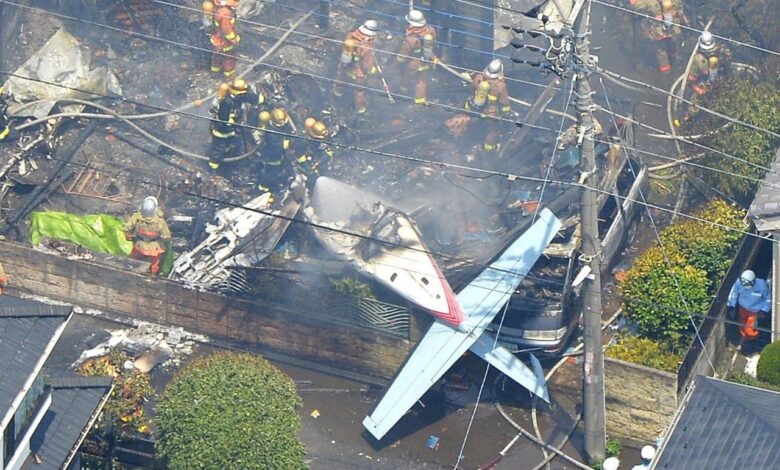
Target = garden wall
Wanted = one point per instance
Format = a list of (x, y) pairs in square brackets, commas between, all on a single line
[(303, 337), (640, 401)]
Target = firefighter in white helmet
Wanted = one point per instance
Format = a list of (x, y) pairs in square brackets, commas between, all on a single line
[(417, 56), (149, 232), (357, 63), (647, 454), (491, 99)]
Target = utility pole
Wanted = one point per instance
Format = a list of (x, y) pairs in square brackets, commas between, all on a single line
[(593, 376)]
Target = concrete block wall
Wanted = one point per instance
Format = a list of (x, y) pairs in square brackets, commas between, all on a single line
[(640, 401), (298, 335)]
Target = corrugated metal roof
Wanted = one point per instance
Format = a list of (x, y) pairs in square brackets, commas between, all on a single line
[(26, 328), (765, 209), (74, 401), (725, 426)]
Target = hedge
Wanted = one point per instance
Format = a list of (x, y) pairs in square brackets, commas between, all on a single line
[(645, 352), (230, 410), (666, 282), (768, 369)]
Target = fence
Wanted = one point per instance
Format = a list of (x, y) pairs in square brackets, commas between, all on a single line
[(706, 347)]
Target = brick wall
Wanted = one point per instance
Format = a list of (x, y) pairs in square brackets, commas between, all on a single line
[(343, 347), (640, 401)]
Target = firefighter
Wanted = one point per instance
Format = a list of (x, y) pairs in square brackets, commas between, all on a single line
[(277, 147), (224, 39), (708, 64), (357, 63), (490, 99), (3, 279), (752, 299), (245, 95), (149, 233), (416, 54), (224, 128), (316, 154), (5, 126), (664, 31)]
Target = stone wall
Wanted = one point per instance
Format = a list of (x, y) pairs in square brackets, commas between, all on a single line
[(302, 336), (640, 401)]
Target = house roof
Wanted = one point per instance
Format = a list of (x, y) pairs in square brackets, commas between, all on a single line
[(75, 400), (765, 209), (26, 329), (726, 426)]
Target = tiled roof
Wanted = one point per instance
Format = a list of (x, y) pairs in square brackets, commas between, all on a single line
[(26, 328), (725, 426), (765, 209), (74, 401)]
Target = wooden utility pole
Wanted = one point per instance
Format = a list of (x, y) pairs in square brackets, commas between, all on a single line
[(593, 376)]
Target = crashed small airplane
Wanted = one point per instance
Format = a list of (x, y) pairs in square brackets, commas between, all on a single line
[(388, 247), (442, 345), (241, 236), (403, 264)]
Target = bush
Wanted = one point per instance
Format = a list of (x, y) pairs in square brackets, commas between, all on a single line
[(756, 104), (768, 369), (230, 410), (705, 246), (613, 448), (657, 298), (745, 379), (645, 352)]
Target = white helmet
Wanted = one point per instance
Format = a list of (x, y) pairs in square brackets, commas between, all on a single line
[(369, 28), (415, 18), (494, 68), (648, 452), (706, 41), (610, 463), (747, 278), (149, 206)]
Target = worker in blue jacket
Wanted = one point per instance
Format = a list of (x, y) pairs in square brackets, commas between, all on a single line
[(752, 298)]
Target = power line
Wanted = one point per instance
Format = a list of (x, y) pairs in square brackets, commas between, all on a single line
[(378, 91), (660, 242), (733, 41)]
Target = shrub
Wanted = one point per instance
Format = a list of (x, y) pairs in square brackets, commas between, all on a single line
[(756, 104), (745, 379), (657, 298), (353, 287), (768, 369), (613, 448), (705, 246), (645, 352), (230, 410)]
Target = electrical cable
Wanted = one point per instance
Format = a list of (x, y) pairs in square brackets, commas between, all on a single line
[(339, 42), (409, 98), (660, 242), (489, 173), (733, 41)]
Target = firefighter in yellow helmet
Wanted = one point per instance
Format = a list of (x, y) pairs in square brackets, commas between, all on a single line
[(417, 55), (491, 99), (224, 127), (277, 148), (149, 232), (246, 96), (316, 155)]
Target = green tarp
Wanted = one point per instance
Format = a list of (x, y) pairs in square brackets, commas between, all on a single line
[(96, 232)]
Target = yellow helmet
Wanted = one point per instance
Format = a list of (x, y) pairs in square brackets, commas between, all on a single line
[(319, 130), (239, 86), (279, 117), (222, 90), (667, 5), (713, 61), (265, 117), (309, 122)]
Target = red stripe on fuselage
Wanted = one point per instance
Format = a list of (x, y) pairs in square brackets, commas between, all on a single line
[(455, 314)]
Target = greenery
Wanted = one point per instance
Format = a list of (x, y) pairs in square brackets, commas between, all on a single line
[(768, 369), (682, 276), (230, 410), (131, 391), (756, 104), (745, 379), (645, 352), (353, 287), (613, 448)]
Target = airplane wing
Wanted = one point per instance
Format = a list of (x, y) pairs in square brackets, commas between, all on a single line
[(442, 345)]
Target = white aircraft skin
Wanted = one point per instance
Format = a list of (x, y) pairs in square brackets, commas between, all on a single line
[(444, 342)]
